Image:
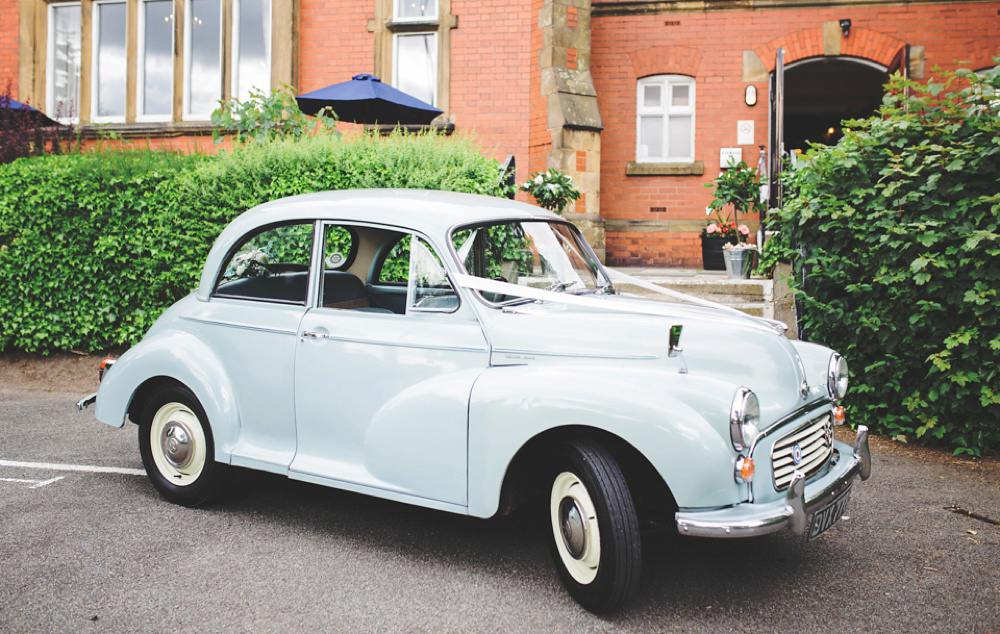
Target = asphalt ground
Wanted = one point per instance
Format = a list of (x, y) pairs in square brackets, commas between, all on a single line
[(98, 551)]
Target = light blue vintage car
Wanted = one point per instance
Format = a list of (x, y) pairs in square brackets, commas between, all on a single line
[(467, 353)]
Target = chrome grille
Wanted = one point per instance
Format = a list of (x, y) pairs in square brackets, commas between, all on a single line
[(814, 440)]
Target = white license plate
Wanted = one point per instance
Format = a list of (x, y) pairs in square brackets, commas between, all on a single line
[(829, 515)]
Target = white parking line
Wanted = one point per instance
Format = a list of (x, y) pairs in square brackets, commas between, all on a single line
[(35, 484), (71, 467)]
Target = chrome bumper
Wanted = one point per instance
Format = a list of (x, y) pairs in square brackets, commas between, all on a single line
[(86, 401), (748, 520)]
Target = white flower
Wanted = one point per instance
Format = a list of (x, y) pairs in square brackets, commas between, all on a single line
[(539, 179), (708, 211)]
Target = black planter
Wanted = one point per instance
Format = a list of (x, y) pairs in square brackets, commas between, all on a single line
[(711, 253)]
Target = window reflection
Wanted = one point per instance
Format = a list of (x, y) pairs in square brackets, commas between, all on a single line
[(415, 9), (204, 65), (109, 73), (416, 65), (64, 62), (157, 58), (252, 41)]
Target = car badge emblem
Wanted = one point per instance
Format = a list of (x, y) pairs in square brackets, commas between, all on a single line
[(796, 454)]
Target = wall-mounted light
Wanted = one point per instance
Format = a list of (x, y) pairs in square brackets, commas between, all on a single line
[(750, 95), (845, 26)]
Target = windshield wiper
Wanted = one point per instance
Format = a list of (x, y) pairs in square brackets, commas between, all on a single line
[(559, 287)]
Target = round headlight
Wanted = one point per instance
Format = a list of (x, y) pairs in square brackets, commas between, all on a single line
[(836, 377), (744, 419)]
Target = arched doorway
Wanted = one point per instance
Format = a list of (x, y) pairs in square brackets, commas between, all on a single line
[(822, 92)]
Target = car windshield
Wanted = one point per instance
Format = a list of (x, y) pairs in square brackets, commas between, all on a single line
[(537, 254)]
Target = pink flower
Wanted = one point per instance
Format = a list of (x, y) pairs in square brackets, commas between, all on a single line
[(745, 230), (712, 228)]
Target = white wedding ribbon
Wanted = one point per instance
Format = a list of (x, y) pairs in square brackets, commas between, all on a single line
[(643, 308)]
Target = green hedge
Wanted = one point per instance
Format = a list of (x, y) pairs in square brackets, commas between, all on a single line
[(898, 230), (93, 247)]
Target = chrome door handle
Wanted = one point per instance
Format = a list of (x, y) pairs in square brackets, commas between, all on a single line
[(312, 334)]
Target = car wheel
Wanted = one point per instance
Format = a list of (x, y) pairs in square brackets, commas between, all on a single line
[(177, 448), (595, 531)]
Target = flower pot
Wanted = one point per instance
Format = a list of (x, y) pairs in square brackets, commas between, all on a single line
[(711, 253), (739, 262)]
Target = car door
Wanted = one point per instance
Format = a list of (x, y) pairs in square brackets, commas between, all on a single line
[(381, 397), (251, 322)]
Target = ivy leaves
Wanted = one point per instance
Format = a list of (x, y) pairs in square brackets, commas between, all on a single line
[(94, 246), (897, 228)]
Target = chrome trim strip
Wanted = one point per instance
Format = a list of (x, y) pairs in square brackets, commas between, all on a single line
[(230, 324), (577, 355), (394, 344)]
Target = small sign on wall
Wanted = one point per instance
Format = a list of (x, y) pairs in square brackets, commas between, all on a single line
[(744, 132), (730, 156)]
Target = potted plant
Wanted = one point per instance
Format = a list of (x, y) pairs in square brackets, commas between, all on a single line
[(737, 190)]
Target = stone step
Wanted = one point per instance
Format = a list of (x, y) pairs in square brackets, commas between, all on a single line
[(751, 296)]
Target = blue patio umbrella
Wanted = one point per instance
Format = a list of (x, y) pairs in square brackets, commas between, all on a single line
[(365, 99), (16, 108)]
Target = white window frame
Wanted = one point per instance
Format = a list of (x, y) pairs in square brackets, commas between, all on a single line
[(50, 56), (665, 111), (396, 17), (235, 53), (187, 115), (141, 71), (437, 62)]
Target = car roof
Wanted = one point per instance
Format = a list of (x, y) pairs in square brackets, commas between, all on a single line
[(432, 213)]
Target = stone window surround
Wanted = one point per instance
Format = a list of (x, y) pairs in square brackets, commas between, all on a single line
[(385, 26), (33, 38)]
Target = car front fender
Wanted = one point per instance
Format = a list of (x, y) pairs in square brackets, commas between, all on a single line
[(179, 356), (675, 420)]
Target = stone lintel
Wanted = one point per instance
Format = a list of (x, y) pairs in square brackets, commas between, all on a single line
[(635, 168)]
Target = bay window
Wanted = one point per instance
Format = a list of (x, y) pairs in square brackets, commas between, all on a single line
[(152, 61)]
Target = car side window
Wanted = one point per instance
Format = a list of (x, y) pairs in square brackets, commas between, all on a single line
[(428, 288), (270, 265)]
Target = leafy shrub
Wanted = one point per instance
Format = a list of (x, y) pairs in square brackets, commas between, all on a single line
[(262, 118), (898, 230), (93, 247)]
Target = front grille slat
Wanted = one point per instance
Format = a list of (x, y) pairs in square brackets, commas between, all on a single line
[(815, 440)]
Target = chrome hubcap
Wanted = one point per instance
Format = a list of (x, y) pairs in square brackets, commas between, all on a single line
[(176, 444), (574, 533)]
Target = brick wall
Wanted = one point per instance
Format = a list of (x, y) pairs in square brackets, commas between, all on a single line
[(334, 42), (709, 46), (491, 62), (8, 45)]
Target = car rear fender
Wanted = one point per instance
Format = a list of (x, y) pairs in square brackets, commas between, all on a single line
[(181, 357), (661, 414)]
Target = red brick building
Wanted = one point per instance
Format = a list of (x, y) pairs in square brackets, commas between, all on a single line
[(637, 99)]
